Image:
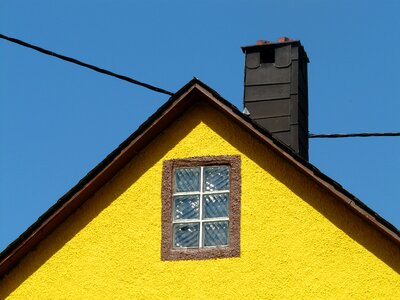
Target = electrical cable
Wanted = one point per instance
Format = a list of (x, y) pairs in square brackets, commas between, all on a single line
[(80, 63), (160, 90), (345, 135)]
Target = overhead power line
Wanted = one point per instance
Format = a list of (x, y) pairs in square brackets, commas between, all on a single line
[(345, 135), (160, 90), (80, 63)]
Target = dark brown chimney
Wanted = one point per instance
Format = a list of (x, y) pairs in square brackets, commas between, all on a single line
[(276, 92)]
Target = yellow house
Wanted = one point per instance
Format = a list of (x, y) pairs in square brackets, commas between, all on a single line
[(201, 202)]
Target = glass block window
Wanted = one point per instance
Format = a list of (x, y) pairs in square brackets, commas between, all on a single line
[(201, 208)]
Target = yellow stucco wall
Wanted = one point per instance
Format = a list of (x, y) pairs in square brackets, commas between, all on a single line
[(297, 242)]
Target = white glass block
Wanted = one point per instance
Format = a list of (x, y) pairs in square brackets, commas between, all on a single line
[(216, 233), (187, 180), (186, 207), (216, 205), (186, 235), (216, 178)]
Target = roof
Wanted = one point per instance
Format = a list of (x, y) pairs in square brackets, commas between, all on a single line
[(194, 90)]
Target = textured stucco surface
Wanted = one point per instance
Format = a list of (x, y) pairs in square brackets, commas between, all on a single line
[(297, 241)]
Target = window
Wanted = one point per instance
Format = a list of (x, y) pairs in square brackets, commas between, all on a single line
[(201, 208)]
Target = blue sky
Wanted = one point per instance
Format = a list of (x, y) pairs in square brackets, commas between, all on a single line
[(58, 120)]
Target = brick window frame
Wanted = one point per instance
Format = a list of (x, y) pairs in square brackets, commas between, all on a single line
[(233, 247)]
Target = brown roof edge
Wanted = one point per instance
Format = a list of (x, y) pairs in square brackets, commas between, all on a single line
[(96, 178), (306, 167), (166, 114)]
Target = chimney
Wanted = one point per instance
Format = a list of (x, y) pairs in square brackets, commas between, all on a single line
[(276, 92)]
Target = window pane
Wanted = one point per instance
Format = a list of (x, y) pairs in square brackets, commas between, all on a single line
[(186, 207), (187, 180), (186, 235), (216, 205), (216, 233), (216, 178)]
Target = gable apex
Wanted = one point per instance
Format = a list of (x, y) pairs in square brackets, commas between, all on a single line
[(193, 92)]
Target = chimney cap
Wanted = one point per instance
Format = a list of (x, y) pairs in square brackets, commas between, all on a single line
[(284, 39), (263, 42)]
